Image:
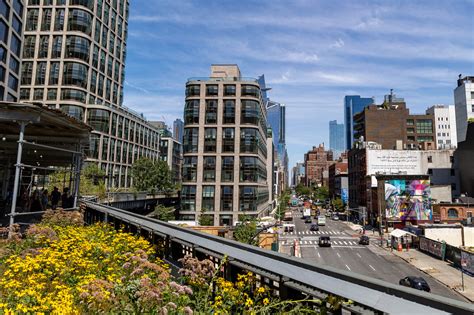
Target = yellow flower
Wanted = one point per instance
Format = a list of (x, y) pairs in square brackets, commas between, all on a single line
[(261, 290), (248, 302), (266, 301)]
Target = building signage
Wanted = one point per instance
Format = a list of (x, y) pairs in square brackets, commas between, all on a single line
[(393, 162), (408, 199)]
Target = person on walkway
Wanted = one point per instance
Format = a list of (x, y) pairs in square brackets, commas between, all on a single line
[(36, 204), (45, 199), (65, 198), (55, 196)]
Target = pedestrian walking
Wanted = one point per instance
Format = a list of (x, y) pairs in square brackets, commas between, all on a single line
[(55, 196), (45, 199), (65, 198)]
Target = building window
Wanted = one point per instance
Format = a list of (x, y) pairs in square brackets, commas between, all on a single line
[(191, 112), (251, 197), (209, 169), (452, 213), (424, 126), (12, 82), (210, 135), (190, 140), (94, 146), (229, 112), (250, 112), (229, 90), (32, 19), (75, 74), (430, 159), (228, 140), (52, 94), (250, 90), (73, 95), (77, 47), (43, 47), (29, 47), (80, 20), (188, 198), (24, 94), (410, 122), (211, 112), (46, 20), (59, 20), (38, 94), (212, 90), (189, 168), (41, 73), (424, 139), (430, 171), (193, 90), (14, 65), (26, 73), (208, 198), (227, 198), (54, 73), (252, 169), (73, 111), (99, 119), (15, 45), (227, 174), (249, 140), (57, 47)]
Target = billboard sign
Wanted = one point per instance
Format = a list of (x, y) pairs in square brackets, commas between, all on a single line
[(393, 162), (345, 195), (408, 199)]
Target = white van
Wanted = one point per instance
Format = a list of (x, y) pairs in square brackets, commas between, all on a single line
[(321, 220)]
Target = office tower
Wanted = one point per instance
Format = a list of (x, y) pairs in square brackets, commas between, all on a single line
[(11, 24), (336, 138), (464, 104), (227, 166), (178, 129), (353, 104), (276, 118), (74, 60), (445, 126)]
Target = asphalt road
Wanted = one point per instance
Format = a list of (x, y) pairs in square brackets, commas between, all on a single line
[(346, 254)]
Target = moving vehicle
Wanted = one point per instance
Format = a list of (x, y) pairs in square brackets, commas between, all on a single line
[(288, 216), (314, 227), (321, 220), (307, 212), (364, 240), (308, 220), (288, 228), (415, 282), (324, 241)]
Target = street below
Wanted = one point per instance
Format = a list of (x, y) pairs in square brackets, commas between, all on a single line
[(345, 253)]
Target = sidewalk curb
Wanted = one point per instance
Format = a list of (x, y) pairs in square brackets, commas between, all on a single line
[(407, 261)]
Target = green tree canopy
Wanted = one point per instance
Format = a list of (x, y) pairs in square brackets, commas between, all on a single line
[(151, 175), (338, 204), (303, 190), (246, 231), (163, 213)]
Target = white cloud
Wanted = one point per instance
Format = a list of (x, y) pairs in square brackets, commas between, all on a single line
[(339, 43)]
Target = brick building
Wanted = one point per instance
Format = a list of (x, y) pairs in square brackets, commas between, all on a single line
[(317, 162), (391, 124)]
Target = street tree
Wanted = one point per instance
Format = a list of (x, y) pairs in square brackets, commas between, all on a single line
[(163, 213), (338, 204), (152, 176), (246, 231)]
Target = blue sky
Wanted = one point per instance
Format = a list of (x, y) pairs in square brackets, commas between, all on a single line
[(311, 52)]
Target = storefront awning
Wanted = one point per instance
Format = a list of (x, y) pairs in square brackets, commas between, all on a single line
[(400, 233)]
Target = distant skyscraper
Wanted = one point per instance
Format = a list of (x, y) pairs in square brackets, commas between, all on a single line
[(352, 105), (445, 126), (464, 103), (276, 119), (336, 138), (11, 20), (178, 129)]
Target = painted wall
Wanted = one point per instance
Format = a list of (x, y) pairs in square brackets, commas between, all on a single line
[(452, 236)]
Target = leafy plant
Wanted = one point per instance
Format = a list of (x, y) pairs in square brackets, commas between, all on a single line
[(152, 176)]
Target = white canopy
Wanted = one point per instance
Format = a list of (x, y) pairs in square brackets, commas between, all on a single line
[(400, 233)]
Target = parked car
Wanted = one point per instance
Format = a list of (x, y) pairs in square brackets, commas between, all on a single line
[(335, 217), (308, 220), (314, 227), (364, 240), (324, 241), (415, 282)]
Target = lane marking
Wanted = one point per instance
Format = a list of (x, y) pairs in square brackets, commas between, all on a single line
[(359, 255), (372, 267), (348, 267), (338, 255), (319, 255), (345, 243)]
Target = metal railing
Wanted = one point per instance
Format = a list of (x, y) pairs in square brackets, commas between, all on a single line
[(292, 277), (226, 79)]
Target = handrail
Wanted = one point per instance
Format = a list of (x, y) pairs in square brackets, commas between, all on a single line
[(363, 290)]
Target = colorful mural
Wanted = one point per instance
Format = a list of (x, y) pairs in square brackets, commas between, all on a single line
[(408, 199)]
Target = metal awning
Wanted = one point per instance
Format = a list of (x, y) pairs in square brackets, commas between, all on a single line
[(44, 128)]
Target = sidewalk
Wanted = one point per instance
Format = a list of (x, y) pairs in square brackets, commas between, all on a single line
[(440, 270)]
